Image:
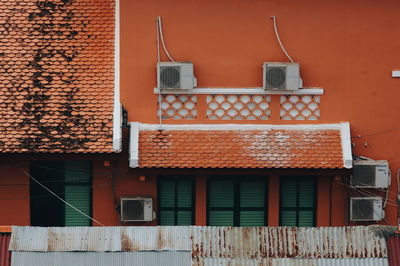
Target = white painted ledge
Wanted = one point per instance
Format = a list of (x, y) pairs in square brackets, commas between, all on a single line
[(346, 145), (117, 112), (154, 127), (305, 91), (134, 145)]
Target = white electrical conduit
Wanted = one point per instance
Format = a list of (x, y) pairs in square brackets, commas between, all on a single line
[(158, 40), (279, 39), (161, 37)]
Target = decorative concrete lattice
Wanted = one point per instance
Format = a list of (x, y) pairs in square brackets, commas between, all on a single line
[(178, 106), (300, 107), (239, 107)]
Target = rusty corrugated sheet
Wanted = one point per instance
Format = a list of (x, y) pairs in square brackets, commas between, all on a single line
[(292, 242), (100, 239), (292, 262), (145, 258), (393, 246), (211, 242), (5, 255)]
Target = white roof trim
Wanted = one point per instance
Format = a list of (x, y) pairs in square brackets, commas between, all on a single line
[(256, 90), (153, 127), (134, 145), (117, 113), (346, 145)]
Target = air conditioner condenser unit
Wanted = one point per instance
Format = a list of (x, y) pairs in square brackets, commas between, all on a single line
[(281, 76), (136, 209), (370, 174), (366, 209), (175, 75)]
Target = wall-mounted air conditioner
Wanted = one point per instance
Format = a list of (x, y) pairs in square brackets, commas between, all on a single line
[(366, 209), (175, 75), (136, 209), (370, 174), (282, 76)]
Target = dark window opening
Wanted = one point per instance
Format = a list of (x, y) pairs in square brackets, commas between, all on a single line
[(70, 180), (176, 201), (298, 201), (237, 202)]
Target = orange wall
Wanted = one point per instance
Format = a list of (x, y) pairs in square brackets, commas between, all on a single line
[(349, 48)]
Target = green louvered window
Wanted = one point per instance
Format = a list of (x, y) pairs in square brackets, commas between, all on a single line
[(236, 202), (297, 201), (70, 180), (175, 201), (78, 192)]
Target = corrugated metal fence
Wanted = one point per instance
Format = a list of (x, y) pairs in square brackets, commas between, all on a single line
[(358, 245), (208, 241), (5, 255), (145, 258), (292, 262)]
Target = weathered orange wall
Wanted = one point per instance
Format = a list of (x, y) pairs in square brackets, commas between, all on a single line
[(349, 48)]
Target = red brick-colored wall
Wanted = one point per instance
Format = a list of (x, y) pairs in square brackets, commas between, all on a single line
[(14, 193)]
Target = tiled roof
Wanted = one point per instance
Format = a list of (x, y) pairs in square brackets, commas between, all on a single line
[(56, 75), (269, 148)]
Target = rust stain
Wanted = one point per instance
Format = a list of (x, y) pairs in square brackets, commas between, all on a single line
[(161, 243), (126, 243), (51, 240)]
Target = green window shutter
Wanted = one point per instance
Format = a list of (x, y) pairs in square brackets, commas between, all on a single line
[(221, 193), (297, 202), (252, 194), (184, 194), (221, 218), (78, 192), (306, 194), (252, 218), (175, 202), (306, 218), (184, 218), (79, 197), (306, 199), (77, 171), (167, 193), (289, 193), (167, 217), (237, 202), (288, 218), (184, 200)]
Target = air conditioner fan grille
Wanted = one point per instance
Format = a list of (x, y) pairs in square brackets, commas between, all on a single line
[(275, 77), (170, 77), (133, 209), (363, 209), (363, 175)]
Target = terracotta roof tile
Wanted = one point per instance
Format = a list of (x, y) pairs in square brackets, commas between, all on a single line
[(56, 75), (241, 149)]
